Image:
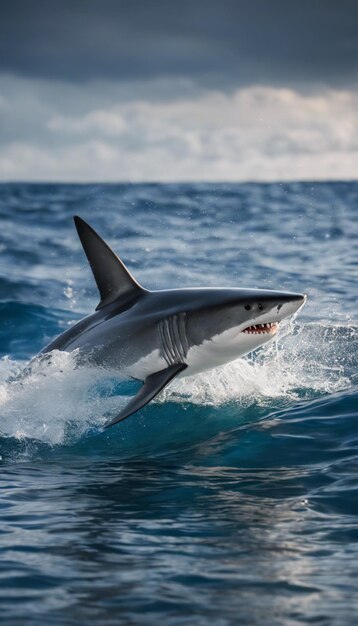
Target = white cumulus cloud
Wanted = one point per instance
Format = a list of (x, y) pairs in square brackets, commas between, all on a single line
[(103, 132)]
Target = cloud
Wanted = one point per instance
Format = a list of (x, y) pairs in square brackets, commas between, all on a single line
[(229, 43), (131, 90), (96, 133), (108, 123)]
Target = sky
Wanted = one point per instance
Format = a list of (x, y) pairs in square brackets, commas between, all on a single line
[(157, 90)]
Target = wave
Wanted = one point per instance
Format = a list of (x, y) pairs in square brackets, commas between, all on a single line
[(26, 328), (60, 403)]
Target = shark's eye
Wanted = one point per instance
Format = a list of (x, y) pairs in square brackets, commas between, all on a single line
[(260, 307), (247, 307)]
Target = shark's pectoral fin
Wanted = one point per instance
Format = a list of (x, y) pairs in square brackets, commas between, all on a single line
[(151, 387)]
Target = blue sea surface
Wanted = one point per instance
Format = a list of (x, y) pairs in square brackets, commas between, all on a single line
[(233, 498)]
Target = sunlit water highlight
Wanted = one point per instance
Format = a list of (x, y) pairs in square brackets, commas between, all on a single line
[(232, 499)]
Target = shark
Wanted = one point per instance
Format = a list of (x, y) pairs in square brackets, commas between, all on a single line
[(156, 336)]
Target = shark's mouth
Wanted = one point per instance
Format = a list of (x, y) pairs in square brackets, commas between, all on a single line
[(260, 329)]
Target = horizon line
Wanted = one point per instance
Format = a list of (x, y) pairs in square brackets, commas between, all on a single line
[(290, 181)]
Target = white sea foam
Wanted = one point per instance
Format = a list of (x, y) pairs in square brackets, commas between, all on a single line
[(58, 399), (54, 396), (302, 360)]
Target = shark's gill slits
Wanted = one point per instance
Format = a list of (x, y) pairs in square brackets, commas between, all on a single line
[(258, 329)]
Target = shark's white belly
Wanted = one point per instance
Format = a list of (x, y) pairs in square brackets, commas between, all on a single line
[(147, 365), (212, 353), (221, 349)]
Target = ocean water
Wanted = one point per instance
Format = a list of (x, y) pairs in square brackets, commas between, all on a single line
[(233, 498)]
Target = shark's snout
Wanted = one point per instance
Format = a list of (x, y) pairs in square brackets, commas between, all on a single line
[(273, 312), (290, 305)]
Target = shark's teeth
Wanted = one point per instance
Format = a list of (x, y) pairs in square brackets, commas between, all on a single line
[(259, 329)]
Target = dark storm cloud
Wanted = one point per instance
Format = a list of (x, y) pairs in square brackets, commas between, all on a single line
[(227, 42)]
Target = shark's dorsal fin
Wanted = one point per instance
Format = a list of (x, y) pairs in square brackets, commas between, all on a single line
[(111, 275)]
